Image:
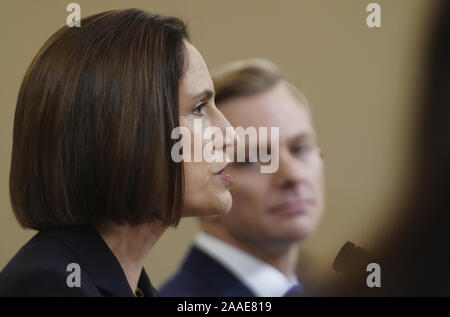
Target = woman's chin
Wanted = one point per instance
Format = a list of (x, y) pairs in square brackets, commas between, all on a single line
[(226, 200), (215, 205)]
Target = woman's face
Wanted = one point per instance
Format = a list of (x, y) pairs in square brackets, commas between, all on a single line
[(206, 190)]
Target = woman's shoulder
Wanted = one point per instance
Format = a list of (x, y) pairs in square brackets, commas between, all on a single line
[(42, 267), (41, 281)]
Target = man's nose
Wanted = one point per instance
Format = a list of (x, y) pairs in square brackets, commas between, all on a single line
[(290, 170)]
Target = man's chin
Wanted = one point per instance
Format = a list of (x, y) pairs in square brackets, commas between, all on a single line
[(297, 233)]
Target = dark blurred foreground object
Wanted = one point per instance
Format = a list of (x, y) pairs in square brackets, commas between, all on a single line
[(416, 255), (352, 264), (352, 259)]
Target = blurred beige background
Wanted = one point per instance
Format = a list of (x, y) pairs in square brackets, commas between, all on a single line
[(361, 83)]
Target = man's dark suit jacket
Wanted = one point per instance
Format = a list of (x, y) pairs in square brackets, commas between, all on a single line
[(201, 275), (40, 267)]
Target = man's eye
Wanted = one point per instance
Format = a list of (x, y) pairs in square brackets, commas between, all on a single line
[(198, 110), (302, 149), (298, 149)]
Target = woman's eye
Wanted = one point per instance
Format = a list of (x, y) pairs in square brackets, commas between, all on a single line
[(198, 110), (247, 163)]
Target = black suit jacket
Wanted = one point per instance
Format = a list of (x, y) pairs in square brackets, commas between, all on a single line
[(201, 275), (40, 267)]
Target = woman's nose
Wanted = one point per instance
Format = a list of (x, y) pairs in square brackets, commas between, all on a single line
[(229, 135)]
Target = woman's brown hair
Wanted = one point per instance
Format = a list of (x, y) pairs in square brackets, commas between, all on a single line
[(91, 139)]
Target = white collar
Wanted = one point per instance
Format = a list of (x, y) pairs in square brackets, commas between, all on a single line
[(260, 277)]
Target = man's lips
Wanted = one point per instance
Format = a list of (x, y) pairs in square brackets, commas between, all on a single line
[(292, 207)]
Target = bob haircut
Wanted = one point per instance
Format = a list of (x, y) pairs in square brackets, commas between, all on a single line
[(91, 138)]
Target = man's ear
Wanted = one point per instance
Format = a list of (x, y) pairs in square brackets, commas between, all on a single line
[(322, 155)]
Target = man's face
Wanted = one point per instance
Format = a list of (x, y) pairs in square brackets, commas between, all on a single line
[(286, 206)]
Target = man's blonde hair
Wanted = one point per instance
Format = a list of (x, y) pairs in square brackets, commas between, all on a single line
[(250, 77)]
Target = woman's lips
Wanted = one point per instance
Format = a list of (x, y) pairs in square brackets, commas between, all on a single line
[(225, 175)]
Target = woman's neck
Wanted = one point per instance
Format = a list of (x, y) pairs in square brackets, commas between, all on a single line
[(131, 246)]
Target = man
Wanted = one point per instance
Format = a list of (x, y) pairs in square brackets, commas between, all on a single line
[(253, 249)]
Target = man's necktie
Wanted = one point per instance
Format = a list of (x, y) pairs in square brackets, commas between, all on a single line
[(294, 291)]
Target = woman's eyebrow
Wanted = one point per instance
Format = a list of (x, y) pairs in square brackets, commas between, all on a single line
[(205, 94)]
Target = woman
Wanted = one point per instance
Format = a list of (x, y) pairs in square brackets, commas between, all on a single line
[(91, 168)]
